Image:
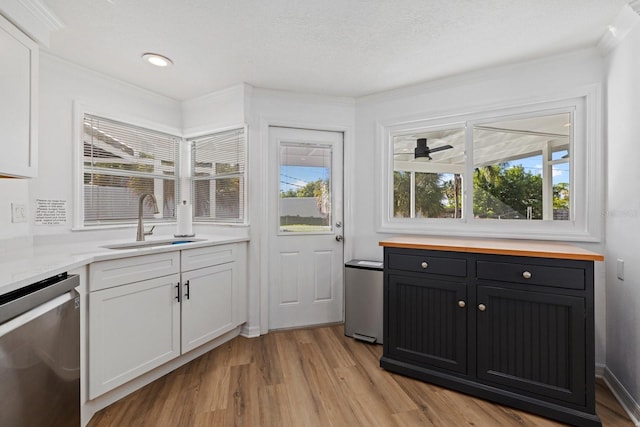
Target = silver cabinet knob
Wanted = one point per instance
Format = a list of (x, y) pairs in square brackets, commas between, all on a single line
[(482, 307), (462, 304), (526, 275), (424, 264)]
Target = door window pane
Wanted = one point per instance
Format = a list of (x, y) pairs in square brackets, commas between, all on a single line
[(305, 188)]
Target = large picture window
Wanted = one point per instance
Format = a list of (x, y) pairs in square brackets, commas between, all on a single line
[(517, 172), (121, 163)]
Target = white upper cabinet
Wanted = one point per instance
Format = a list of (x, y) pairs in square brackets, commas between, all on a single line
[(18, 103)]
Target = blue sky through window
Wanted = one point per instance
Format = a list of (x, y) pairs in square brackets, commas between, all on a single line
[(295, 177), (533, 165)]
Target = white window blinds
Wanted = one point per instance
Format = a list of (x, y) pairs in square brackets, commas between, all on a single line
[(121, 163), (218, 175)]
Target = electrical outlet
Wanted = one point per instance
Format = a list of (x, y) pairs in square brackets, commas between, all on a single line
[(18, 212)]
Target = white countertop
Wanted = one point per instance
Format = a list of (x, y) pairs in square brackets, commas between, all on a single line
[(32, 263)]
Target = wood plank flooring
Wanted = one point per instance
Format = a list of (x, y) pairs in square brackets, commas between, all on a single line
[(311, 377)]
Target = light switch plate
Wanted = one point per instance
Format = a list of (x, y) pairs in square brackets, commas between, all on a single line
[(18, 212)]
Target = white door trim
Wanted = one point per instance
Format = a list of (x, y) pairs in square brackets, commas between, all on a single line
[(348, 179)]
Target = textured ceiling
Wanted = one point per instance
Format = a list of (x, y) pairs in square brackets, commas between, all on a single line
[(334, 47)]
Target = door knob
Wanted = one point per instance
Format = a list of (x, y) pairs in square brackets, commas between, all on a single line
[(462, 304), (482, 307), (339, 238)]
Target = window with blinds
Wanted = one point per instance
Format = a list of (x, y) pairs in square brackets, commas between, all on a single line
[(121, 163), (218, 176)]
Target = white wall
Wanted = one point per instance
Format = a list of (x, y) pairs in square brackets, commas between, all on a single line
[(214, 111), (13, 191), (487, 89), (62, 83), (623, 213)]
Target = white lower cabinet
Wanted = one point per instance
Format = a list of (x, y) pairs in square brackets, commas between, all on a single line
[(135, 327), (207, 304), (132, 329)]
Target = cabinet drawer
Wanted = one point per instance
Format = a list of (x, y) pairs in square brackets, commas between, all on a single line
[(208, 256), (542, 275), (116, 272), (428, 264)]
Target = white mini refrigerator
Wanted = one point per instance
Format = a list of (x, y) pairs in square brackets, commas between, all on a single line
[(363, 282)]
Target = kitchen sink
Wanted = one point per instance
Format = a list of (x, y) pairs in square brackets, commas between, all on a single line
[(152, 243)]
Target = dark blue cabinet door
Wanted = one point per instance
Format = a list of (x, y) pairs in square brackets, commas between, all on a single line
[(427, 321), (532, 342)]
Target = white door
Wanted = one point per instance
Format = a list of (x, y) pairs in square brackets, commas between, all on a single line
[(305, 221)]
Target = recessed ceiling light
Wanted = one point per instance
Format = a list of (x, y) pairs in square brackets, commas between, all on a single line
[(157, 60)]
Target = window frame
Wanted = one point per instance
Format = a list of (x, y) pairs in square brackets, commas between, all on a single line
[(586, 200), (188, 173), (80, 111)]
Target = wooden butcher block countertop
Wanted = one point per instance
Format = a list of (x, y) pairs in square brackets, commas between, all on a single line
[(530, 248)]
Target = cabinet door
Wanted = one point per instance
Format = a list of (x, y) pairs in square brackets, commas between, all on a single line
[(18, 121), (532, 342), (427, 321), (208, 302), (132, 329)]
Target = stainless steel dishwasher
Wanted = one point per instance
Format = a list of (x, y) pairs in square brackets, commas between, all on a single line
[(40, 354)]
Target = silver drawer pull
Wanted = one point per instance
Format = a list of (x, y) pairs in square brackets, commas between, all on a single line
[(424, 264), (526, 275), (462, 304), (482, 307)]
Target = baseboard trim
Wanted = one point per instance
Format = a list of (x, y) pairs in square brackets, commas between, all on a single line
[(622, 395), (600, 367), (250, 331)]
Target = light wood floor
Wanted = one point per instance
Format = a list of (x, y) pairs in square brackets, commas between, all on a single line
[(311, 377)]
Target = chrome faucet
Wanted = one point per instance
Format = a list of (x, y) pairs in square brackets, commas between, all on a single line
[(141, 233)]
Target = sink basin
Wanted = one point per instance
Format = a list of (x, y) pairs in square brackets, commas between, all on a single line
[(152, 243)]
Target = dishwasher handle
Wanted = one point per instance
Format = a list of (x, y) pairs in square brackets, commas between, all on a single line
[(15, 303), (40, 310)]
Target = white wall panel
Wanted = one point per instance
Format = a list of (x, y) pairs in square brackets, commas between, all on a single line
[(623, 214)]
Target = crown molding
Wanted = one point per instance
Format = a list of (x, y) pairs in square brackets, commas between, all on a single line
[(44, 14), (627, 18), (33, 18)]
